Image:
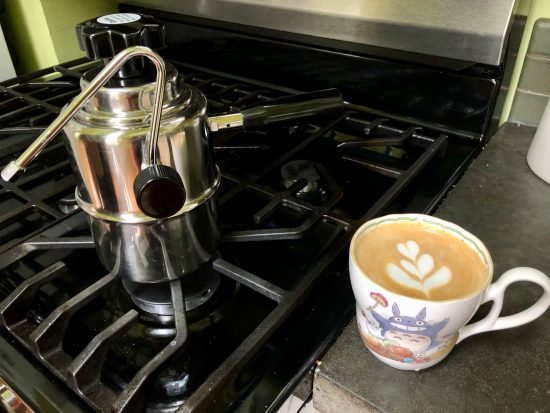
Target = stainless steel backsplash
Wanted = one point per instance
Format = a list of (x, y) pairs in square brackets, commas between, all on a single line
[(466, 30)]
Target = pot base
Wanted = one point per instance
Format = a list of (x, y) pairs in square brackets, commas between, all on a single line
[(156, 298)]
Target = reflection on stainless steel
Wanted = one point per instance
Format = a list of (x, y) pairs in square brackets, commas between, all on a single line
[(470, 30), (135, 99), (10, 402), (299, 169), (68, 204), (78, 102), (108, 147), (160, 250), (114, 132), (108, 142)]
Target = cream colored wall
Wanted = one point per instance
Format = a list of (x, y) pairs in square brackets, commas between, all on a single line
[(40, 33), (533, 9)]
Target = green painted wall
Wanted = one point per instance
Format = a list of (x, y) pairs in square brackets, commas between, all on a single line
[(533, 9), (27, 35), (40, 33), (62, 16)]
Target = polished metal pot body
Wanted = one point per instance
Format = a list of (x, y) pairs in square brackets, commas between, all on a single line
[(107, 141), (160, 250), (129, 140)]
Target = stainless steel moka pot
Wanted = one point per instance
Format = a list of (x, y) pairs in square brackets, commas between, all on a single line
[(138, 138)]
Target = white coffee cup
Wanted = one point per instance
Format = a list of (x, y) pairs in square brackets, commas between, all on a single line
[(538, 156), (412, 333)]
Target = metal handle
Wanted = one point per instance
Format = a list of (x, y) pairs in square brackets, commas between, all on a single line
[(285, 111), (78, 102)]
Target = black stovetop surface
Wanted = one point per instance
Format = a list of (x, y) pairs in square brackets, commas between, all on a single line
[(293, 238)]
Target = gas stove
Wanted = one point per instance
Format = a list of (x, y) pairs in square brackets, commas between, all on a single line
[(289, 202)]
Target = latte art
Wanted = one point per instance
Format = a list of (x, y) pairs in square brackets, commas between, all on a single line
[(420, 260), (418, 280), (418, 272)]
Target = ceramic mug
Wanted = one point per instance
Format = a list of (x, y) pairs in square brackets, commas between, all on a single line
[(413, 333)]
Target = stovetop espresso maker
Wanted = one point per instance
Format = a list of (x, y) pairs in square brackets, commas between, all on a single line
[(138, 138)]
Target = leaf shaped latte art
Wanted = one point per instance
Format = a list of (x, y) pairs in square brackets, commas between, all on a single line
[(438, 279), (409, 249), (401, 277), (417, 273), (425, 265), (410, 267)]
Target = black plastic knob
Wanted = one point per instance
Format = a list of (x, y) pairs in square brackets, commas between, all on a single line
[(159, 191), (103, 37)]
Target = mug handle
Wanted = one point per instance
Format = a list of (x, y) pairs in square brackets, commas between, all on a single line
[(495, 293)]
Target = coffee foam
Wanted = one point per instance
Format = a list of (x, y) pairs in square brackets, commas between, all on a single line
[(420, 260)]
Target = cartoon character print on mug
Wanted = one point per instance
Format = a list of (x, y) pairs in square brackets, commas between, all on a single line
[(404, 338), (408, 338), (412, 333), (418, 280)]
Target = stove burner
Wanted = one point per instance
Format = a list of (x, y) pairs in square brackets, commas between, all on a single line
[(277, 295), (156, 299), (297, 170), (68, 204)]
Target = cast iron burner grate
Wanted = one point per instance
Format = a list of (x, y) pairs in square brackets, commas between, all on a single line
[(28, 104), (297, 193)]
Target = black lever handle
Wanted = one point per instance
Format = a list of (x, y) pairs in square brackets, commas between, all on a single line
[(285, 111)]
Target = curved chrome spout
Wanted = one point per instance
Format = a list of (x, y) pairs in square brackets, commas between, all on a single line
[(78, 102)]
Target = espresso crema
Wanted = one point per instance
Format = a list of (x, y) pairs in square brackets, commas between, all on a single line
[(420, 260)]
